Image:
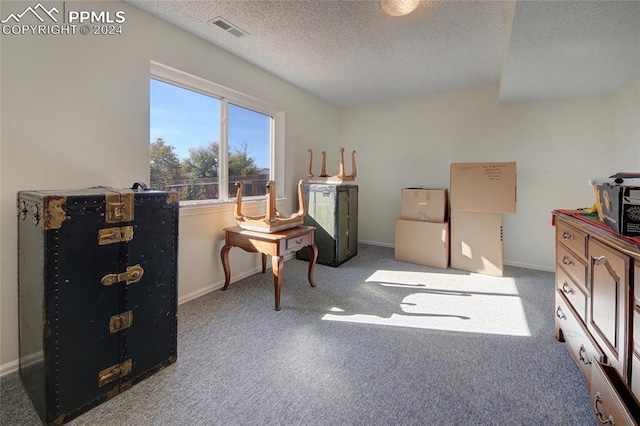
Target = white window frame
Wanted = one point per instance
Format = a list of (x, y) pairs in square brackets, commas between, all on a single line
[(226, 95)]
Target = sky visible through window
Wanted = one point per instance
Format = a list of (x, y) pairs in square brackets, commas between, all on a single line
[(187, 119)]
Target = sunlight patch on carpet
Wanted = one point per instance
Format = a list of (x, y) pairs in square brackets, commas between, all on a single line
[(468, 303)]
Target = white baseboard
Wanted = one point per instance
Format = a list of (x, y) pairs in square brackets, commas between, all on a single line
[(218, 285), (509, 263), (12, 366), (530, 266), (376, 243), (8, 368)]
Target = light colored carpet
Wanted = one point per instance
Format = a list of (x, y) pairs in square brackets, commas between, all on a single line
[(377, 342)]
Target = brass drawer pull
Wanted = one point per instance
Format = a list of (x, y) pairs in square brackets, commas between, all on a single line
[(598, 413), (566, 260), (560, 314), (566, 288), (567, 235), (582, 358), (299, 241)]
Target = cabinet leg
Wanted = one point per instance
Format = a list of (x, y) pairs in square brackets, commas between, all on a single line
[(264, 262), (312, 262), (277, 263), (224, 256)]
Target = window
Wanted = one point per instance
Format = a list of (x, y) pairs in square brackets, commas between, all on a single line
[(205, 138)]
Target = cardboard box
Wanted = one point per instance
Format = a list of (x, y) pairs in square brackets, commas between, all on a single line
[(424, 203), (424, 243), (484, 187), (618, 204), (476, 242)]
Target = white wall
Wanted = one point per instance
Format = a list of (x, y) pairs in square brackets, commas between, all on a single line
[(558, 145), (75, 113)]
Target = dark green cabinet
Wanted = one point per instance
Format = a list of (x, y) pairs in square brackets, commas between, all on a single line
[(333, 210)]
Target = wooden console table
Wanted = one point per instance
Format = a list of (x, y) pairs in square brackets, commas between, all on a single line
[(276, 244)]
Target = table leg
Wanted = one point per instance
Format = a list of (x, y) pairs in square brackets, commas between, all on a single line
[(312, 262), (264, 262), (224, 255), (277, 264)]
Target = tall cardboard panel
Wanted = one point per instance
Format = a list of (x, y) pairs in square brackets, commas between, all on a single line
[(97, 275), (333, 210), (484, 187), (476, 242)]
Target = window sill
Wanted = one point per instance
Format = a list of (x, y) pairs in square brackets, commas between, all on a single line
[(214, 206)]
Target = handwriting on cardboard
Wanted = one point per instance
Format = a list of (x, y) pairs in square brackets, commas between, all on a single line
[(493, 171)]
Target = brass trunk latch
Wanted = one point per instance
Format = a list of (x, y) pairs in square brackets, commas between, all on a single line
[(115, 235), (118, 207), (133, 274), (114, 372), (120, 322)]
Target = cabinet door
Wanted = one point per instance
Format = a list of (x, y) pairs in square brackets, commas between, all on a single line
[(353, 220), (151, 336), (347, 223), (609, 315), (81, 340)]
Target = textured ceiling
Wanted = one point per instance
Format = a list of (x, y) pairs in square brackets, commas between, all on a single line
[(350, 53), (563, 49)]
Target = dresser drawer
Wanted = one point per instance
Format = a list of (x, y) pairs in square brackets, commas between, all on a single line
[(635, 375), (609, 316), (571, 237), (296, 243), (580, 346), (636, 282), (611, 401), (572, 265), (636, 328), (574, 293)]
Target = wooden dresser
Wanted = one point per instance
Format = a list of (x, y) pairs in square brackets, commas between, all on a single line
[(597, 313)]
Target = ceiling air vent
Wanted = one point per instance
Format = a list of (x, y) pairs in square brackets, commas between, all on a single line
[(228, 27)]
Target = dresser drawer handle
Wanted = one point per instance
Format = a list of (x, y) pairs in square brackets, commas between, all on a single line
[(560, 314), (566, 288), (599, 415), (566, 260), (567, 235), (582, 358)]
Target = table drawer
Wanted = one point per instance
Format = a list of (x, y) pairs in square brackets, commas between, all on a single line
[(611, 401), (574, 293), (571, 237), (296, 243), (572, 264), (580, 346)]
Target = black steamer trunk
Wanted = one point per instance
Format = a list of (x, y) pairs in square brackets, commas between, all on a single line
[(97, 293)]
